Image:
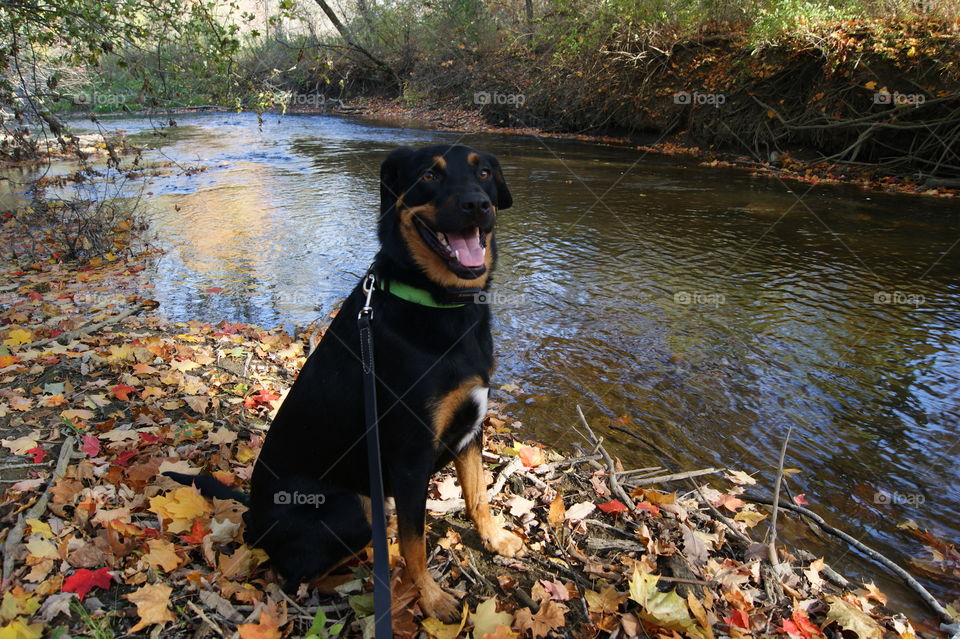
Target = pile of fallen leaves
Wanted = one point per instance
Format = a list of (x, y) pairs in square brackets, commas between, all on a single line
[(98, 396)]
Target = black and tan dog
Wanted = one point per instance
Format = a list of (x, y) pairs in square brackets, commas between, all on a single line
[(434, 358)]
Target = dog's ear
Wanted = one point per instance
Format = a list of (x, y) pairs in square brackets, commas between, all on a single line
[(504, 199), (391, 187)]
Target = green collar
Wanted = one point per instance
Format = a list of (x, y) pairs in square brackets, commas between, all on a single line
[(413, 294)]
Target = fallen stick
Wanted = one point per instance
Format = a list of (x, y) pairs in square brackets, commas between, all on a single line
[(774, 557), (690, 474), (89, 328), (615, 486), (907, 578), (16, 533)]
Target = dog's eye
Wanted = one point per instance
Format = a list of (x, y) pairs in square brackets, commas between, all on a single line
[(484, 174), (430, 176)]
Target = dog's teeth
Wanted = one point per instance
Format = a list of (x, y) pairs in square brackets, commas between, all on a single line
[(456, 254)]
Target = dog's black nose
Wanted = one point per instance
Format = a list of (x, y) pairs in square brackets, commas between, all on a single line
[(475, 204)]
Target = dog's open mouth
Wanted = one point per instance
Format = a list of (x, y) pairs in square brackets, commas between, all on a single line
[(464, 251)]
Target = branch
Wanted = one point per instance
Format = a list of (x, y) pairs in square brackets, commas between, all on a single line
[(870, 552)]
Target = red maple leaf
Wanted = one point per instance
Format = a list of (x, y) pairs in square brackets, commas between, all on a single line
[(261, 398), (83, 581), (653, 509), (803, 626), (91, 445), (197, 533), (149, 438), (738, 618), (800, 499), (123, 459), (122, 392), (613, 507), (39, 454)]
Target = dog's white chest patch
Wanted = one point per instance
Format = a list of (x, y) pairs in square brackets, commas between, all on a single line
[(479, 397)]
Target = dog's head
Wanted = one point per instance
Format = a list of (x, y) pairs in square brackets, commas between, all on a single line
[(438, 207)]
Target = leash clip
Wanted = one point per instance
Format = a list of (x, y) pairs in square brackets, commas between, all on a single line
[(368, 285)]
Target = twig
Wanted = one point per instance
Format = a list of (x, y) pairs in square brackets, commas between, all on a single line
[(12, 543), (774, 557), (720, 516), (644, 481), (205, 618), (867, 550), (63, 338), (502, 478), (615, 486)]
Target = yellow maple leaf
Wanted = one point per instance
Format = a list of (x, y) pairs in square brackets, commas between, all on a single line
[(152, 605), (871, 85), (20, 629), (664, 609), (162, 554), (180, 507), (41, 528), (486, 619), (18, 336)]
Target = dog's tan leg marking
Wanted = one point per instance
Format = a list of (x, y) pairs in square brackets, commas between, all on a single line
[(434, 601), (470, 472)]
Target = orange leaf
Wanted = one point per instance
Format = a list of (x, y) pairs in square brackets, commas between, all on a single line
[(122, 392), (266, 628), (531, 456)]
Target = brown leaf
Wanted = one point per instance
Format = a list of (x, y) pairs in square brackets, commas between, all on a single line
[(151, 601), (549, 617)]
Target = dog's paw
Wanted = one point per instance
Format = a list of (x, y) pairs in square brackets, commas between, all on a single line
[(437, 603), (503, 542)]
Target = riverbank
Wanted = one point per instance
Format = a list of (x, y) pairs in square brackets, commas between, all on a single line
[(99, 395), (792, 166)]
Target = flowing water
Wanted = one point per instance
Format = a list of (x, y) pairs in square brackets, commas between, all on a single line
[(705, 309)]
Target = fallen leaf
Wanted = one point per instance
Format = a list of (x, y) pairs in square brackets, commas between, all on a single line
[(557, 512), (665, 609), (486, 619), (613, 507), (162, 554), (579, 511), (152, 605), (548, 618), (851, 618), (605, 602), (531, 456), (267, 627), (180, 507), (83, 581)]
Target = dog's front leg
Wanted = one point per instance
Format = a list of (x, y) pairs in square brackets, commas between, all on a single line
[(470, 472), (410, 495)]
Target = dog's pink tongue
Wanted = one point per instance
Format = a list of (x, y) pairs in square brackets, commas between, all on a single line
[(468, 246)]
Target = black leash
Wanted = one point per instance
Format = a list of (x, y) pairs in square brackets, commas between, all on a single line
[(383, 622)]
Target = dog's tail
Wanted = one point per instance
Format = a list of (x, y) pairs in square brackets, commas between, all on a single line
[(209, 486)]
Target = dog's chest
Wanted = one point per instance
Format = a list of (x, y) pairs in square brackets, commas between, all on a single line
[(458, 417)]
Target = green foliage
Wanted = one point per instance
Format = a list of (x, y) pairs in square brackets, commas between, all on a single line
[(777, 18), (319, 630)]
